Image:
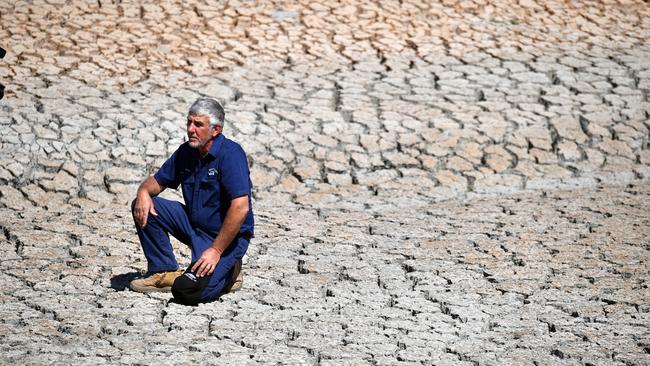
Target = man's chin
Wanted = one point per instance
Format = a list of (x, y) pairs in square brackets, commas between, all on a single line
[(196, 143)]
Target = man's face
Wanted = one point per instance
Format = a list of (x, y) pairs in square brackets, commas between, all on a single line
[(199, 132)]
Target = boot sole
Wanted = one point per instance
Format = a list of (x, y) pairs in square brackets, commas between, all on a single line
[(236, 286), (149, 289)]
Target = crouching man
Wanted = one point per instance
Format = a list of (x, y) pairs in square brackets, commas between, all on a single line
[(216, 221)]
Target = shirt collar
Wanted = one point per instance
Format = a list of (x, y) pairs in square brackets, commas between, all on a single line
[(216, 144)]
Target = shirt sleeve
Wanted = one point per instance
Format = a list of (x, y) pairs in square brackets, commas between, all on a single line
[(235, 180), (167, 175)]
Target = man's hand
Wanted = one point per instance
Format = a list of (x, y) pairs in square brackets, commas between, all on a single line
[(143, 202), (143, 207), (207, 263)]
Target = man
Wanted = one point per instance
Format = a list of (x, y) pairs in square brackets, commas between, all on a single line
[(216, 221)]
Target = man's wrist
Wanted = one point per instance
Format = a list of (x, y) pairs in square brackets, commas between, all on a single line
[(217, 249)]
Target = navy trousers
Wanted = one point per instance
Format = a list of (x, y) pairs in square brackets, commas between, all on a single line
[(172, 219)]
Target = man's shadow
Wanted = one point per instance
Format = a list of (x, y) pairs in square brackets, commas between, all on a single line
[(121, 282)]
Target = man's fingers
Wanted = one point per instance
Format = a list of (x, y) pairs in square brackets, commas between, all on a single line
[(152, 210), (144, 218), (138, 217), (204, 269), (196, 265), (141, 218), (205, 265)]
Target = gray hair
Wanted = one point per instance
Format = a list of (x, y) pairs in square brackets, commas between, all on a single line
[(209, 107)]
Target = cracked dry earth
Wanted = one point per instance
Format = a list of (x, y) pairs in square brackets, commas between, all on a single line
[(461, 183)]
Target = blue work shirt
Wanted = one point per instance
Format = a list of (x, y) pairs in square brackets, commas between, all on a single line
[(210, 183)]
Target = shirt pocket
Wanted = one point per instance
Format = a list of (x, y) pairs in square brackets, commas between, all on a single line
[(187, 185), (210, 191)]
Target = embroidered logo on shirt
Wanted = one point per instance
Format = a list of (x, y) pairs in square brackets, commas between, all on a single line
[(191, 276), (212, 172)]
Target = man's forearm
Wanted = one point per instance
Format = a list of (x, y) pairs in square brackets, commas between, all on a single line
[(150, 187)]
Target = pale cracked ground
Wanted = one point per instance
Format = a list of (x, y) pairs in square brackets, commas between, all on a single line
[(435, 183)]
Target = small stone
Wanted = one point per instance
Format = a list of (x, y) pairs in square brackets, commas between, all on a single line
[(16, 169), (339, 179), (615, 147), (124, 175), (262, 179), (459, 164), (569, 128), (569, 151), (62, 182), (89, 146), (13, 198), (70, 168), (448, 178), (498, 183), (307, 169), (156, 148), (280, 15)]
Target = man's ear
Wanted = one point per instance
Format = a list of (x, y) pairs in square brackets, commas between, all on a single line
[(216, 130)]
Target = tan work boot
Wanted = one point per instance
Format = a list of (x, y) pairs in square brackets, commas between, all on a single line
[(236, 281), (157, 282)]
